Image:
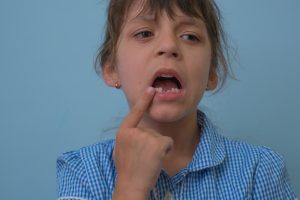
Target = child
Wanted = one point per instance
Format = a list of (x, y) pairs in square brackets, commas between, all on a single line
[(164, 54)]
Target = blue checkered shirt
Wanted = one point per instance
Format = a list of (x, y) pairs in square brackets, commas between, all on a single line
[(220, 169)]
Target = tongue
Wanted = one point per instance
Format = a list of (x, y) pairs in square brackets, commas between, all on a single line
[(165, 85)]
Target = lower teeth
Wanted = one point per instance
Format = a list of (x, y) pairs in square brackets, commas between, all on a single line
[(173, 90)]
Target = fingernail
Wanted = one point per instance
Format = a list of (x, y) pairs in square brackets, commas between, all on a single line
[(150, 90)]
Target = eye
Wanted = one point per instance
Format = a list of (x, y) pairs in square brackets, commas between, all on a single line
[(143, 34), (190, 37)]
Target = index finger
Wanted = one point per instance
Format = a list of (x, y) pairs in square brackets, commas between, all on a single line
[(137, 111)]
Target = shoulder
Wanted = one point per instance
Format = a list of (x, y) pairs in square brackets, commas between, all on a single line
[(250, 155), (239, 149), (98, 151), (77, 169), (76, 158), (258, 155), (265, 169), (271, 179)]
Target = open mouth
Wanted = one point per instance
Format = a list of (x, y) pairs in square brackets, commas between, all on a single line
[(167, 83)]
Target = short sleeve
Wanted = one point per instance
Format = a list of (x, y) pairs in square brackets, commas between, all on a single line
[(71, 177), (271, 179)]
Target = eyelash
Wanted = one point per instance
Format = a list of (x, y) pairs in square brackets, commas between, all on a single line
[(142, 35), (191, 37)]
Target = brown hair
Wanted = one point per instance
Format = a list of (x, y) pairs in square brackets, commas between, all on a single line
[(207, 10)]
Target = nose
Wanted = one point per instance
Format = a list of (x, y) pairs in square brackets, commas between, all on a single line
[(168, 47)]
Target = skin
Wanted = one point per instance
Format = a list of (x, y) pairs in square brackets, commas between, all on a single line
[(157, 134), (132, 145)]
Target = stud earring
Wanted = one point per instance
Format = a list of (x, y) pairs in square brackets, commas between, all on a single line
[(117, 85)]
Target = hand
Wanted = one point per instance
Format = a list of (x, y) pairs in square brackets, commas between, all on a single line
[(138, 153)]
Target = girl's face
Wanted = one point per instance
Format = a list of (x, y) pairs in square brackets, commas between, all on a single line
[(165, 53)]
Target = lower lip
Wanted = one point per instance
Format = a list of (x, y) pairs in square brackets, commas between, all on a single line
[(169, 96)]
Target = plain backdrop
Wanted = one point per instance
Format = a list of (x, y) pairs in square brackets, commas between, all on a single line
[(52, 101)]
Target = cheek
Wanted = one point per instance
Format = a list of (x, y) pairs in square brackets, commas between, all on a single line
[(200, 70), (128, 68)]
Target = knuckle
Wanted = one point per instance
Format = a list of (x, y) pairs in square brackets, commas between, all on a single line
[(123, 134), (130, 135), (167, 143)]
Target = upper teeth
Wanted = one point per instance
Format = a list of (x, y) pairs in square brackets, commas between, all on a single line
[(166, 75)]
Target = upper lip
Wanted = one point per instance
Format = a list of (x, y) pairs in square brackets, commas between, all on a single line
[(167, 71)]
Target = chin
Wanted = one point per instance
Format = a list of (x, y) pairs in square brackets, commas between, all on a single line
[(166, 114)]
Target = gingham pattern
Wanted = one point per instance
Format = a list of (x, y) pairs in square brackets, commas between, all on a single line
[(220, 169)]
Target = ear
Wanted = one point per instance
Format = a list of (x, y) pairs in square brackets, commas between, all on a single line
[(110, 75), (212, 80)]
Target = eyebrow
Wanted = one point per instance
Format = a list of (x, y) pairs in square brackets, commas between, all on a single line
[(183, 20), (189, 21), (142, 18)]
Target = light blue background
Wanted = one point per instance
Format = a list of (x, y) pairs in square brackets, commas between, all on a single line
[(52, 101)]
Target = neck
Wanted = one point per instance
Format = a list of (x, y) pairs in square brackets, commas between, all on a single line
[(184, 132)]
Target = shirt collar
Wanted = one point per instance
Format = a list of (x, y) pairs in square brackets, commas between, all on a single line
[(211, 149)]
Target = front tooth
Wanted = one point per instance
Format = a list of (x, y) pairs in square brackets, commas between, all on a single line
[(173, 90), (160, 89), (176, 90)]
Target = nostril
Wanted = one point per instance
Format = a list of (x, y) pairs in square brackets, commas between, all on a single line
[(173, 54)]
